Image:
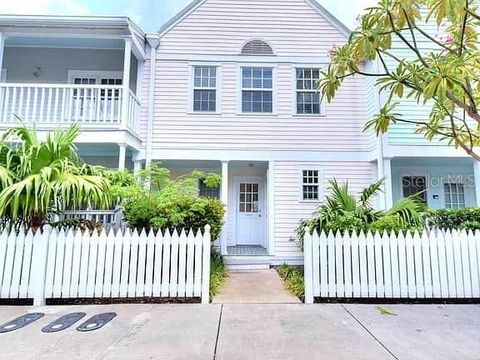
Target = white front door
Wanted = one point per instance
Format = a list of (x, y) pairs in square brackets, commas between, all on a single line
[(250, 210)]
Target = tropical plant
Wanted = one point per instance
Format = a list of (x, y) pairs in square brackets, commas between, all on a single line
[(39, 178), (218, 273), (343, 211), (467, 218), (293, 279), (173, 203), (442, 69)]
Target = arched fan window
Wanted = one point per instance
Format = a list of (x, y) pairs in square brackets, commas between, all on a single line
[(257, 47)]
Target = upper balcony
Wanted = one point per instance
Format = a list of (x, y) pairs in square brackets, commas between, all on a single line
[(58, 71)]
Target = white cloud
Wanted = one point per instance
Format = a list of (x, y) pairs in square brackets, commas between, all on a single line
[(43, 7)]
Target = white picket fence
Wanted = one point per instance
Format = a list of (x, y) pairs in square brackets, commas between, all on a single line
[(74, 264), (437, 264)]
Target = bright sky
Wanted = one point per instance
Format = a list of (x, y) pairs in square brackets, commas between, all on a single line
[(149, 14)]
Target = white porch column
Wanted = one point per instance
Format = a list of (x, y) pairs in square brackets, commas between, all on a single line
[(122, 154), (387, 170), (271, 207), (137, 165), (476, 173), (2, 49), (126, 80), (224, 198)]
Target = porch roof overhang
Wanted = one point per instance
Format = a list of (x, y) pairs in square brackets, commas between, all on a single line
[(73, 27)]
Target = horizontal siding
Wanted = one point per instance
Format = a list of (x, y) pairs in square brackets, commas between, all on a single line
[(404, 133), (289, 210), (175, 128), (223, 26)]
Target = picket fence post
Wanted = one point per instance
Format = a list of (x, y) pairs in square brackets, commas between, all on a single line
[(206, 265), (39, 265), (308, 263)]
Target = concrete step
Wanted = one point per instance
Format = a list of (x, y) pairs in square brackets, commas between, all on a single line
[(246, 263)]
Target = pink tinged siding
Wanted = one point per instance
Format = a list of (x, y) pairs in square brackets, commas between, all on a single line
[(221, 26), (176, 128), (289, 209)]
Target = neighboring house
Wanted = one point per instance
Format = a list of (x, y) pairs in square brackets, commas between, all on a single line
[(226, 86), (444, 175), (62, 70)]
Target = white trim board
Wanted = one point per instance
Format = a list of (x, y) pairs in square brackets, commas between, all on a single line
[(258, 155)]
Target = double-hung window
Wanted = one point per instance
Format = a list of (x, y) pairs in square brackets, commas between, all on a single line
[(310, 185), (308, 97), (454, 195), (204, 88), (257, 90)]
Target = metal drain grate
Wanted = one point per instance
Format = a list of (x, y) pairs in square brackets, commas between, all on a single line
[(20, 322), (96, 322), (63, 322)]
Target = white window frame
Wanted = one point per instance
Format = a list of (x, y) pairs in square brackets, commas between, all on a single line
[(445, 194), (240, 88), (218, 89), (323, 103), (97, 74), (3, 75), (307, 167)]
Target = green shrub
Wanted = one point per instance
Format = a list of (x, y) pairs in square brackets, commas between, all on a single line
[(293, 279), (175, 212), (218, 273), (173, 204), (467, 218), (392, 223), (343, 211)]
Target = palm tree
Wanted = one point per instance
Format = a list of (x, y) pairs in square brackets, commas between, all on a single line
[(39, 178), (344, 211)]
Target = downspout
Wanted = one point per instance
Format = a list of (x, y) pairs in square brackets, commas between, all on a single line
[(153, 41)]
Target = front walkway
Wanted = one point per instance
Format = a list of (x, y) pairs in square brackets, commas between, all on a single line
[(252, 331), (254, 287)]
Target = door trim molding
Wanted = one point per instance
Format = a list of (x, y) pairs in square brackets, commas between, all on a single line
[(236, 182)]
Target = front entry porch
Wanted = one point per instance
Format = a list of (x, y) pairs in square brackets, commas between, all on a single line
[(246, 190)]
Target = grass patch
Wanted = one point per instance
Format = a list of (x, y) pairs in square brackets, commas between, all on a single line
[(218, 273), (293, 279)]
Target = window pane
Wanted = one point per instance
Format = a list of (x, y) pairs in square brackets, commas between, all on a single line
[(415, 185), (257, 101), (204, 100)]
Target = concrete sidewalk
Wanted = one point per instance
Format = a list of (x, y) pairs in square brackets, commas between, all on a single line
[(249, 331)]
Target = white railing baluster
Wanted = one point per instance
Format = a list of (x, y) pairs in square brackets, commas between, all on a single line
[(6, 102), (20, 104), (35, 105), (28, 105)]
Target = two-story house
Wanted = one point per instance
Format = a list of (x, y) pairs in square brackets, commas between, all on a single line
[(227, 86), (235, 92)]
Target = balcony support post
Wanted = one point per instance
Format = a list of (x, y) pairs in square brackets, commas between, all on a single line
[(122, 154), (224, 198), (126, 81), (2, 49)]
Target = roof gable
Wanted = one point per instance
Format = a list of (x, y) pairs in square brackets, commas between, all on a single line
[(189, 9)]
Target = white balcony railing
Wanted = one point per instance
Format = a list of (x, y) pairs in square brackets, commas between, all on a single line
[(50, 105)]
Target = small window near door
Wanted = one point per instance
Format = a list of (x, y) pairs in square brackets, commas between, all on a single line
[(454, 195), (248, 202), (208, 192), (310, 185), (415, 185)]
